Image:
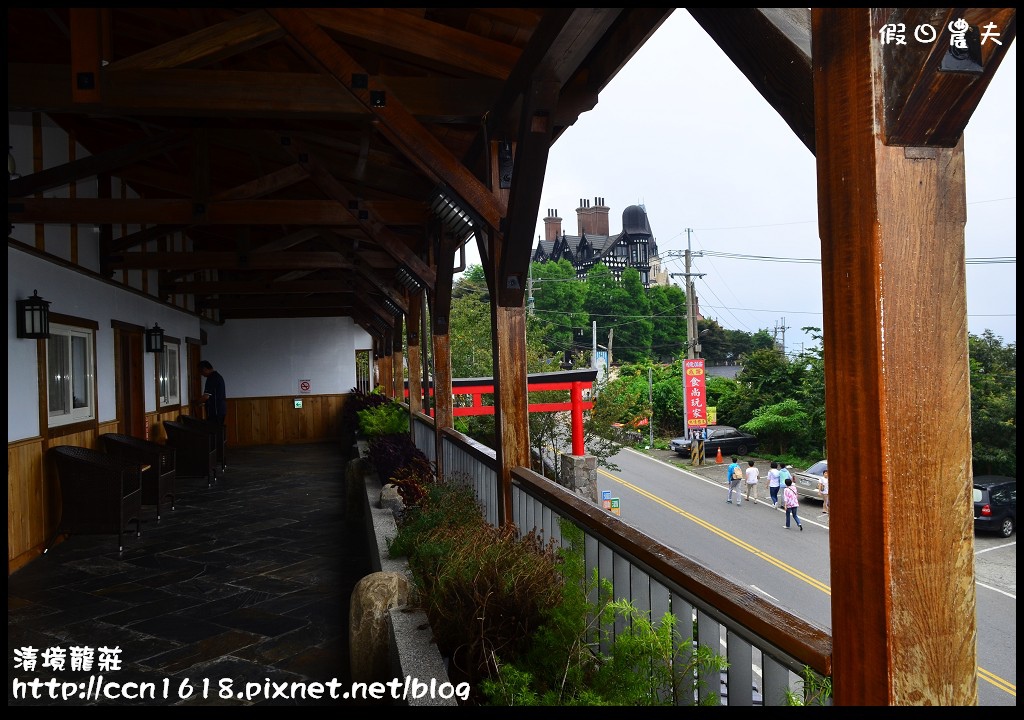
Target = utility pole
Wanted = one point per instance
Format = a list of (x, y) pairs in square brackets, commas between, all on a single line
[(529, 284), (691, 305)]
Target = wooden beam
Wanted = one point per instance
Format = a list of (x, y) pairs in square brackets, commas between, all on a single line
[(86, 167), (204, 47), (265, 184), (230, 260), (891, 219), (241, 94), (772, 48), (86, 54), (181, 212), (531, 158), (397, 123), (255, 287), (925, 103), (437, 45), (372, 226)]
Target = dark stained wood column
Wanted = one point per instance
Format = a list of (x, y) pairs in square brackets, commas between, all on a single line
[(891, 221), (439, 317), (384, 364), (511, 414), (412, 335), (397, 369)]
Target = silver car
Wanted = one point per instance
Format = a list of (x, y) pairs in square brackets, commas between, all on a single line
[(806, 481)]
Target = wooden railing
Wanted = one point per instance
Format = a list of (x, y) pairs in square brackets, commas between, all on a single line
[(767, 648)]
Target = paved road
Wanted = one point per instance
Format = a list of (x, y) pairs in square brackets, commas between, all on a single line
[(684, 508)]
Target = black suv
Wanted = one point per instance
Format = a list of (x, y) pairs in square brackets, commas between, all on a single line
[(995, 504)]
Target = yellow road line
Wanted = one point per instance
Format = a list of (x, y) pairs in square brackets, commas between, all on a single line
[(999, 682), (753, 549)]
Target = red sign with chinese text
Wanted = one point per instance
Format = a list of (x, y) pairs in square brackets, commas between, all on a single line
[(694, 396)]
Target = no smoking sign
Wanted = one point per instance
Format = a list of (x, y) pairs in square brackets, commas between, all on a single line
[(305, 386)]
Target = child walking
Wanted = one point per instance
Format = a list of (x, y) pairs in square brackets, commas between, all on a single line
[(792, 502)]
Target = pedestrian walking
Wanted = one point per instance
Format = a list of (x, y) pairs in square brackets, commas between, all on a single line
[(752, 480), (792, 502), (734, 476), (823, 490), (784, 474), (774, 483)]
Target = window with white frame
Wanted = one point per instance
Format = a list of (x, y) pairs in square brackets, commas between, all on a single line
[(70, 372), (168, 381)]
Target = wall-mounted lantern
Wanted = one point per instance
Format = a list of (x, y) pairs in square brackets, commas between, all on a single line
[(155, 339), (33, 317)]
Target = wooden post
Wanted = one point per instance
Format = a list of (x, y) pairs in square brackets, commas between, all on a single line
[(412, 330), (891, 221), (511, 414), (397, 369)]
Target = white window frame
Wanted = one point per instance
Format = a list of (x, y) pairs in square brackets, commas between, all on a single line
[(70, 375), (168, 375)]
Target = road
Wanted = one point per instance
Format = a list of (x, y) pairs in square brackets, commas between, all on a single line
[(749, 544)]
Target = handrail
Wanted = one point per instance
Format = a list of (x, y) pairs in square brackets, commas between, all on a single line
[(756, 634)]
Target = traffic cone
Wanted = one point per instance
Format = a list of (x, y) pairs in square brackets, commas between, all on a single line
[(718, 457)]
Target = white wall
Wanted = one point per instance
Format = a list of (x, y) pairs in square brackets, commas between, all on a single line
[(260, 358), (71, 292)]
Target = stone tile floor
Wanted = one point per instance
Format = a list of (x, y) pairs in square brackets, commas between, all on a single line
[(245, 582)]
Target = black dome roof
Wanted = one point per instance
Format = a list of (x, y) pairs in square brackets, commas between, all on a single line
[(634, 221)]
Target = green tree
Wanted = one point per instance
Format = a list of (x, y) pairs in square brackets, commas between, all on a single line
[(779, 424), (469, 326), (634, 328), (558, 305), (993, 404), (668, 312), (605, 297)]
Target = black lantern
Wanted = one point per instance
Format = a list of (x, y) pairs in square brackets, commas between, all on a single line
[(33, 317), (155, 339)]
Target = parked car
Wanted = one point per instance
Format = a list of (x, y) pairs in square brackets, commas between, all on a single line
[(806, 481), (729, 439), (995, 504)]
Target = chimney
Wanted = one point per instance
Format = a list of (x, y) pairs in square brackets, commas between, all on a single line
[(552, 226), (592, 220), (600, 217)]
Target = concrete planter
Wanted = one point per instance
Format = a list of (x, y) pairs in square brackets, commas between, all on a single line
[(412, 653)]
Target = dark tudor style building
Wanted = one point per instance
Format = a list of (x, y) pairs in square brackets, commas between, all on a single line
[(634, 246)]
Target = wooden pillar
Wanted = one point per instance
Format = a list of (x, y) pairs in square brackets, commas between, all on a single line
[(439, 316), (511, 416), (384, 366), (891, 221), (397, 369), (412, 335)]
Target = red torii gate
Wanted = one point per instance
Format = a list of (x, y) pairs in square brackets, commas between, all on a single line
[(573, 381)]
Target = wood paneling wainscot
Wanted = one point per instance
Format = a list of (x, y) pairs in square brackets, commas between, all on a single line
[(276, 420)]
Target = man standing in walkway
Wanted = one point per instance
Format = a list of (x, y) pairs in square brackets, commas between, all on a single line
[(216, 403), (734, 476)]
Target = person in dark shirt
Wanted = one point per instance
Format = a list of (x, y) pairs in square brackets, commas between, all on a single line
[(216, 402)]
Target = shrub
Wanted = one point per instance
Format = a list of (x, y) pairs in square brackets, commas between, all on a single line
[(484, 589), (389, 453), (647, 664), (385, 419)]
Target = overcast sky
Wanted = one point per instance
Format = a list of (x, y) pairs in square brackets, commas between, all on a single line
[(681, 131)]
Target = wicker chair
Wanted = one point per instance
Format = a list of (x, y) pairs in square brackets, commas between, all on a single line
[(217, 439), (194, 453), (99, 494), (159, 473)]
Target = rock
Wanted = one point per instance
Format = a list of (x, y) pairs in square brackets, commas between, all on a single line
[(369, 639), (390, 499)]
